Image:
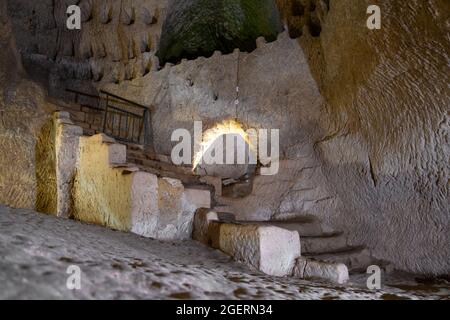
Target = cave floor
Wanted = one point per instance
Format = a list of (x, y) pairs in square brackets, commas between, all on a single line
[(36, 251)]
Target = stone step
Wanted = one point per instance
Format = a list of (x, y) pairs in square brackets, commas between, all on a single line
[(323, 244), (78, 111), (77, 115), (305, 226), (136, 154), (88, 126), (160, 208), (161, 166), (89, 132), (91, 122), (198, 195), (162, 158), (355, 258), (134, 147), (82, 124), (312, 269), (65, 105), (142, 155), (95, 121), (238, 190), (225, 216), (216, 182), (189, 182), (186, 179), (224, 209), (97, 126), (270, 249)]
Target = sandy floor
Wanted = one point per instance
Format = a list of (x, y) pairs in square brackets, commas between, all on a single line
[(36, 250)]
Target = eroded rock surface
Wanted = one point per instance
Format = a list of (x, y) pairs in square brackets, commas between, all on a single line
[(118, 40), (199, 27), (24, 130), (363, 114)]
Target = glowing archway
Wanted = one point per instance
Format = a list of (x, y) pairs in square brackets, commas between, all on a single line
[(227, 127)]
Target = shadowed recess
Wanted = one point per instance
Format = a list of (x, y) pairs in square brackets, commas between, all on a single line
[(199, 27)]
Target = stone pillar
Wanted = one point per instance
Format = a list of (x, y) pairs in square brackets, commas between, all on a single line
[(67, 139)]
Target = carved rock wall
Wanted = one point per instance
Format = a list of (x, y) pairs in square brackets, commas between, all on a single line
[(367, 127), (364, 115), (117, 41), (385, 152), (23, 120), (199, 27)]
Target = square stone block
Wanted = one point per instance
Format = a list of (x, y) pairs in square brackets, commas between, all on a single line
[(269, 249)]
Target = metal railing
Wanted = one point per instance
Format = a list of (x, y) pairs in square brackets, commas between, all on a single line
[(120, 118)]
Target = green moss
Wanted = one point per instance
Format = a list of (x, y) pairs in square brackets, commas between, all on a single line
[(199, 27)]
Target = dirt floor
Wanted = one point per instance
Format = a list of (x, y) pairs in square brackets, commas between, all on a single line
[(36, 251)]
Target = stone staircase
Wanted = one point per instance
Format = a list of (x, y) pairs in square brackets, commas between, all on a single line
[(322, 253), (89, 119), (160, 165), (265, 246), (324, 244), (96, 184)]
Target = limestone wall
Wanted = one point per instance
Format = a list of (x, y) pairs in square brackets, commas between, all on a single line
[(196, 28), (23, 116), (118, 41), (276, 88), (102, 194), (277, 91), (108, 192), (67, 144), (385, 154), (363, 114)]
